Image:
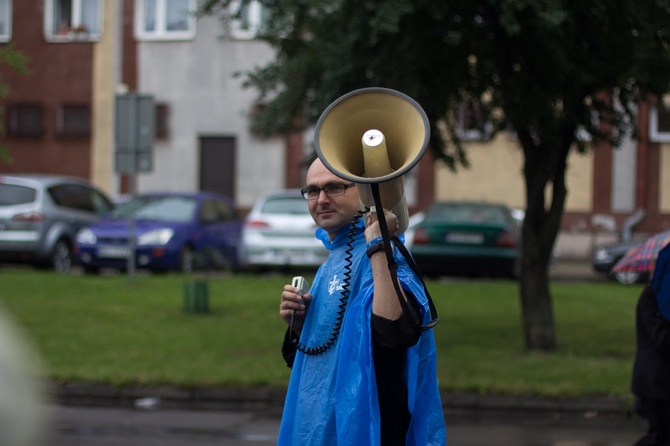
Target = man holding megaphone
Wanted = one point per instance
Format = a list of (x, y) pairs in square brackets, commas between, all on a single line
[(362, 373)]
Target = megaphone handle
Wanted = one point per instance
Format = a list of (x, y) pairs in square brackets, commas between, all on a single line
[(374, 217)]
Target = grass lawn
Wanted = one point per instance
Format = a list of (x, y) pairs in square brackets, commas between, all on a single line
[(121, 331)]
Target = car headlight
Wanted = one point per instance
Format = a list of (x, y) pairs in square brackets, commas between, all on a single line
[(156, 237), (602, 255), (86, 237)]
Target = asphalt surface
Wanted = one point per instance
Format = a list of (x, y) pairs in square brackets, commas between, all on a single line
[(165, 426)]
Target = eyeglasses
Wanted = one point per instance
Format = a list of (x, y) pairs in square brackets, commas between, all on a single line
[(331, 191)]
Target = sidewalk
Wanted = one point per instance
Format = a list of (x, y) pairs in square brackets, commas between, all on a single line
[(574, 270)]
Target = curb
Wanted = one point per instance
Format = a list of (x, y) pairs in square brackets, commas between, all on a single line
[(102, 394), (582, 406)]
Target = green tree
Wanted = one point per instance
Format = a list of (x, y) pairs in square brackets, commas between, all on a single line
[(542, 68), (14, 60)]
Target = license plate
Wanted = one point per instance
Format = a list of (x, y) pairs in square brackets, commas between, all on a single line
[(289, 253), (113, 252), (465, 238)]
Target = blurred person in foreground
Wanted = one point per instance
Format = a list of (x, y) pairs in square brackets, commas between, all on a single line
[(22, 397), (374, 382), (651, 370)]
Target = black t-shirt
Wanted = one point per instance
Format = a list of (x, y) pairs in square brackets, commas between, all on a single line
[(651, 369), (390, 339)]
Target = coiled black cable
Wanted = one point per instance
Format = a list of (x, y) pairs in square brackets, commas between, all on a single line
[(344, 298)]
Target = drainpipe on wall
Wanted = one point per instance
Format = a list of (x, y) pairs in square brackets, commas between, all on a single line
[(630, 223)]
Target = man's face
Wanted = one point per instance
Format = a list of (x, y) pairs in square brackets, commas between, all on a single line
[(331, 214)]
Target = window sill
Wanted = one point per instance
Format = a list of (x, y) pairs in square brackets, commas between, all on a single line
[(68, 38), (165, 37)]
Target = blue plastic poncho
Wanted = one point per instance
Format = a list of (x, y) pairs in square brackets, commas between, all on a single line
[(332, 397)]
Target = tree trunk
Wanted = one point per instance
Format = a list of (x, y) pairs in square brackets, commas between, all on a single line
[(538, 317), (544, 166)]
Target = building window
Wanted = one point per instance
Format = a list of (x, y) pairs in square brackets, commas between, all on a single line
[(73, 120), (471, 124), (249, 20), (165, 19), (5, 20), (26, 120), (659, 123), (73, 20)]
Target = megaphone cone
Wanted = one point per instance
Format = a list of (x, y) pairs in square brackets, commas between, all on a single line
[(374, 136)]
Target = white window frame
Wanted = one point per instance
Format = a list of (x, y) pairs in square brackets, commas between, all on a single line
[(656, 135), (76, 21), (254, 18), (6, 14), (161, 32)]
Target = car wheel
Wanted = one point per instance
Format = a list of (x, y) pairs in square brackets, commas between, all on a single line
[(627, 278), (62, 257), (186, 260)]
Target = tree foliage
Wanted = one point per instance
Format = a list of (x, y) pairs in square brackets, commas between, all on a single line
[(541, 68)]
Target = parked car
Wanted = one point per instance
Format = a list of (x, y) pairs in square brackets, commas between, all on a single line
[(414, 220), (467, 238), (279, 232), (41, 214), (605, 257), (172, 231)]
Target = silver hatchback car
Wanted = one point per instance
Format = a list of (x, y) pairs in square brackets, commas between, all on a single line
[(279, 232), (41, 214)]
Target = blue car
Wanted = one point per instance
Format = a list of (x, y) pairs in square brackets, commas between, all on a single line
[(172, 231)]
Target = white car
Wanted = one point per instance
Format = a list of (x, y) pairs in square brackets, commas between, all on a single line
[(409, 233), (279, 232)]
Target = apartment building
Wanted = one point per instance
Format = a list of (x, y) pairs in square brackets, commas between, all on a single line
[(84, 53)]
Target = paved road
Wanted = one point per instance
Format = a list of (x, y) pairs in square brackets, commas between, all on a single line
[(116, 426)]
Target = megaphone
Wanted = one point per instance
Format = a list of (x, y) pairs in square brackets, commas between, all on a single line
[(374, 136)]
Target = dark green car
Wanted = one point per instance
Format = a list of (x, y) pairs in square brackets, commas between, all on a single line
[(461, 238)]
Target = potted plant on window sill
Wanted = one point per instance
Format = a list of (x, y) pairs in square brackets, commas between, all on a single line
[(79, 32)]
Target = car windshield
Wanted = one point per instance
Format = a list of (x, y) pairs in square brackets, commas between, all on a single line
[(466, 213), (285, 205), (11, 194), (157, 208)]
